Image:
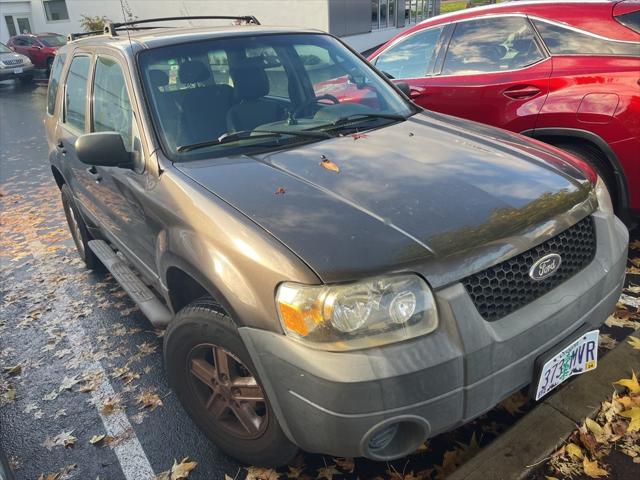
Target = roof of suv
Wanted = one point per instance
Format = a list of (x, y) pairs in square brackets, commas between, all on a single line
[(162, 36)]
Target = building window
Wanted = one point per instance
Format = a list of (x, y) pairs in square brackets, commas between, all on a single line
[(417, 10), (10, 25), (383, 14), (56, 10)]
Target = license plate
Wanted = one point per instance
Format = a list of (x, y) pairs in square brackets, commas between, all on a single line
[(17, 70), (579, 357)]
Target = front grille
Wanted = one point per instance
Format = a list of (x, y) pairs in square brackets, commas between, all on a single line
[(12, 61), (506, 287)]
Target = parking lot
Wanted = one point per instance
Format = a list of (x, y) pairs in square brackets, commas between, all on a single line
[(83, 390)]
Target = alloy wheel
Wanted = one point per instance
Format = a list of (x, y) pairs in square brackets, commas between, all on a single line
[(228, 391)]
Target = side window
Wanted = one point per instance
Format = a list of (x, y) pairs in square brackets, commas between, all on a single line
[(219, 64), (76, 93), (278, 80), (54, 81), (111, 106), (491, 45), (410, 57), (564, 41)]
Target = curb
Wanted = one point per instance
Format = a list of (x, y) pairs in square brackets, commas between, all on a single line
[(516, 452)]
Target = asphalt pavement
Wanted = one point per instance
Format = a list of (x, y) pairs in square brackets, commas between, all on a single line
[(80, 361)]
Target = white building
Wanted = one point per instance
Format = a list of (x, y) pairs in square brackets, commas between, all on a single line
[(362, 23)]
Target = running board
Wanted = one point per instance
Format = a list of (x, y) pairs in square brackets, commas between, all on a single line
[(157, 313)]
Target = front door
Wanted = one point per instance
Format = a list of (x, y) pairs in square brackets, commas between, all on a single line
[(494, 72)]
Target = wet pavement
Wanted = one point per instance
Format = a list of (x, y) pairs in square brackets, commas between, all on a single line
[(80, 361)]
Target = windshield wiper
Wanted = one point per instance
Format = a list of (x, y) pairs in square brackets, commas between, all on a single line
[(366, 116), (249, 134)]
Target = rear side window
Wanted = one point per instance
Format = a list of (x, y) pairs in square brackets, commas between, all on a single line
[(410, 57), (54, 81), (76, 93), (630, 20), (111, 105), (278, 79), (565, 41), (491, 45)]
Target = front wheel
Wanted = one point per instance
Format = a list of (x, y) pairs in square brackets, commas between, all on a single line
[(213, 376)]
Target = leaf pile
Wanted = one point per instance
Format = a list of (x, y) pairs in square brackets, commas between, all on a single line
[(616, 425)]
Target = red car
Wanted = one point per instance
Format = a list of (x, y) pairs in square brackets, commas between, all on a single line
[(564, 72), (40, 48)]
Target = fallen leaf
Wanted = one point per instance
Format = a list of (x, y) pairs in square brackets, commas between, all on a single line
[(634, 342), (328, 472), (346, 464), (62, 473), (96, 439), (179, 471), (635, 245), (574, 450), (259, 473), (595, 428), (631, 383), (64, 439), (634, 415), (280, 191), (592, 469), (15, 370), (149, 399), (329, 165)]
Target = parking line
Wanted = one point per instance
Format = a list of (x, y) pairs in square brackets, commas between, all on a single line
[(133, 460)]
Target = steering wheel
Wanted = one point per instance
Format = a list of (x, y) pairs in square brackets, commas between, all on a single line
[(313, 101)]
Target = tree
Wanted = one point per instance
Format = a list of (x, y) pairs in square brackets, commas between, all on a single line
[(93, 24)]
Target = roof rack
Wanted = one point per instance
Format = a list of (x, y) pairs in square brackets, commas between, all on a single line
[(112, 28)]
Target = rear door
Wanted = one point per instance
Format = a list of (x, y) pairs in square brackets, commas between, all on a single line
[(495, 71), (20, 45)]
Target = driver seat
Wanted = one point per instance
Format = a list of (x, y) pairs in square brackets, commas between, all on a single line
[(251, 85)]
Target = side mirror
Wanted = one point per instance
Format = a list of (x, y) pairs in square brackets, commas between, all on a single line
[(404, 88), (104, 149)]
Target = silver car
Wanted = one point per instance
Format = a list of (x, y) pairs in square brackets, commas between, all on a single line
[(15, 65)]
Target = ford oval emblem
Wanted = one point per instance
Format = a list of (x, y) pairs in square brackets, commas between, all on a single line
[(545, 266)]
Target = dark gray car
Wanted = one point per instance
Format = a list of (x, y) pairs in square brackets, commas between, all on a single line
[(338, 270)]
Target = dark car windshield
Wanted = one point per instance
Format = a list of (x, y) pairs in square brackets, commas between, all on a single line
[(202, 91), (52, 40), (4, 48)]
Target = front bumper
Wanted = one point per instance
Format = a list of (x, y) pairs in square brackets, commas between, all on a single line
[(7, 73), (334, 403)]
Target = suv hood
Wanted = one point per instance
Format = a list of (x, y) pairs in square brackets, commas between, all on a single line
[(430, 188)]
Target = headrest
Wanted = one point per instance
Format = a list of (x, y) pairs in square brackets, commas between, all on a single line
[(158, 78), (193, 71), (250, 82)]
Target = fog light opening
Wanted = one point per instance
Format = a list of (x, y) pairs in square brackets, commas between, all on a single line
[(395, 437)]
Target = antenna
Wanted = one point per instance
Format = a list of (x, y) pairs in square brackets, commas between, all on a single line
[(124, 18)]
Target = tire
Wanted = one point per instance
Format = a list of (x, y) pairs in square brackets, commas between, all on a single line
[(196, 328), (595, 158), (78, 230)]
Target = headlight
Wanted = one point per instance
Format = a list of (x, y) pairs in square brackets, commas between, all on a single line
[(26, 60), (604, 199), (358, 315)]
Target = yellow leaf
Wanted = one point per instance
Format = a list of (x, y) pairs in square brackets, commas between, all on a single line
[(181, 470), (96, 439), (634, 342), (631, 383), (593, 469), (550, 478), (595, 428), (574, 450), (328, 472), (329, 165), (634, 415)]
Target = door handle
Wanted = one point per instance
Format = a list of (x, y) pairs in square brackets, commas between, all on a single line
[(521, 92), (417, 92), (94, 173)]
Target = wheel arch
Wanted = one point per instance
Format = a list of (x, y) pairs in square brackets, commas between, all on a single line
[(558, 135), (185, 284)]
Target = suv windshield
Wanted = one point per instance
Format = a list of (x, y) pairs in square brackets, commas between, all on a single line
[(263, 86), (53, 40)]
